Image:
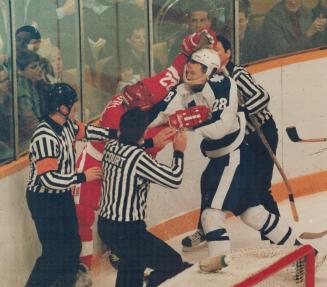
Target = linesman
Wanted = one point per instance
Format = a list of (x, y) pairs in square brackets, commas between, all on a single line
[(52, 175), (128, 171)]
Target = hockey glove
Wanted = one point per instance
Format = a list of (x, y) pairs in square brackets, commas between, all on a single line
[(137, 95), (197, 40), (189, 118)]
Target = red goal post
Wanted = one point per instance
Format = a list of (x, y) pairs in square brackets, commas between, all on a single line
[(273, 266), (305, 252)]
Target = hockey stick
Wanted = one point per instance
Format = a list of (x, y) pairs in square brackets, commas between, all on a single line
[(274, 158), (279, 167), (313, 235), (294, 137)]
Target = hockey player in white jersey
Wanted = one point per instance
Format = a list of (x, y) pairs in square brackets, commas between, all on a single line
[(227, 183)]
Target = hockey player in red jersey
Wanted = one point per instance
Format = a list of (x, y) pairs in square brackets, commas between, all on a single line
[(144, 94)]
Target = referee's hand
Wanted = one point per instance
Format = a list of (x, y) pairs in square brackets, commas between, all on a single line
[(180, 141), (164, 137), (93, 173)]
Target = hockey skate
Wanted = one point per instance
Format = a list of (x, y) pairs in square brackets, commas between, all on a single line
[(83, 278), (114, 259), (193, 241), (300, 267), (320, 260), (212, 264)]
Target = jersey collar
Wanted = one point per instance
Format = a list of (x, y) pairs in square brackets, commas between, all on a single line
[(55, 126)]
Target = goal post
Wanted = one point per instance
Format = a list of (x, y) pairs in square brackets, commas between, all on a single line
[(274, 266), (305, 252)]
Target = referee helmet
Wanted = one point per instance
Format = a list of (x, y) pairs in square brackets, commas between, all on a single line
[(61, 94)]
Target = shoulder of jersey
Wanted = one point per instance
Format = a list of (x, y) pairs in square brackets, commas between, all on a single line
[(182, 89), (113, 110), (219, 83), (43, 130)]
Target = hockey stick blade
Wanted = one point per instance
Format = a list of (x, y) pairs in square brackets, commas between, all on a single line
[(292, 134), (313, 235), (294, 137)]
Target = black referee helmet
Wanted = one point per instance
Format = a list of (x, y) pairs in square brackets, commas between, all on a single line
[(61, 94)]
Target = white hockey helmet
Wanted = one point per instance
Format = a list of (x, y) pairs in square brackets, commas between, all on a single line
[(208, 58)]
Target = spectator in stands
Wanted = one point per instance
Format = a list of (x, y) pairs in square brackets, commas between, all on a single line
[(200, 14), (100, 38), (53, 18), (129, 10), (249, 40), (6, 131), (135, 43), (288, 27), (53, 54), (126, 76), (28, 37), (29, 101), (320, 11)]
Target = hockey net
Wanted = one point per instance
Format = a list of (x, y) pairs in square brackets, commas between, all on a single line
[(263, 267)]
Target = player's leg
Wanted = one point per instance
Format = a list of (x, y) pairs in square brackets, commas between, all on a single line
[(86, 219), (209, 182), (216, 183), (196, 239), (213, 222), (87, 196), (270, 225)]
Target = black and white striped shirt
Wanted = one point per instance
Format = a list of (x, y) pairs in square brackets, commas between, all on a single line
[(52, 154), (128, 171), (255, 97)]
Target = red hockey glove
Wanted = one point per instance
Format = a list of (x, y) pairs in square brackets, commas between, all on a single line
[(137, 95), (197, 40), (189, 118)]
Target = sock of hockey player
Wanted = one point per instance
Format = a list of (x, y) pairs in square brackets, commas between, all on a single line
[(114, 259), (83, 278), (213, 222), (270, 225), (86, 219)]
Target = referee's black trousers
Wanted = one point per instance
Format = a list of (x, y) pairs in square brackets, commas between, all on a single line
[(55, 220), (264, 164), (137, 249)]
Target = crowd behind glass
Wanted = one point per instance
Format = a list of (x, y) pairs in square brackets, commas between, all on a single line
[(48, 41)]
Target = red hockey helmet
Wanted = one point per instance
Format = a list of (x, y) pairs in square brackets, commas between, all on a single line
[(137, 95)]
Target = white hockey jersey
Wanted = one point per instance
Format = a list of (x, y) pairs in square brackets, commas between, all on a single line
[(224, 131)]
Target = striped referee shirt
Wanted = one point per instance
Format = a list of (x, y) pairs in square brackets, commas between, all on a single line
[(255, 97), (128, 171), (52, 154)]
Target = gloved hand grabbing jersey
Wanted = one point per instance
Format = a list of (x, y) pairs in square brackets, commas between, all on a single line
[(137, 95), (195, 41), (189, 118)]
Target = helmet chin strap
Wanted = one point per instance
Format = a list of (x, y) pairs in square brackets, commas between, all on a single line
[(65, 116)]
